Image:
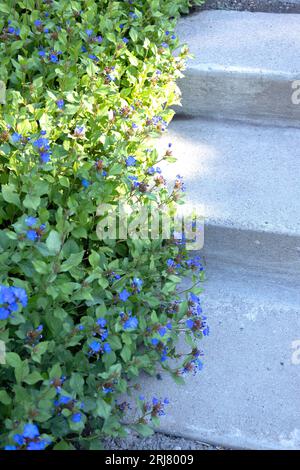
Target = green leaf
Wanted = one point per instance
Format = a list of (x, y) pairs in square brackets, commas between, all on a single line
[(53, 242), (5, 8), (10, 195), (33, 378), (94, 259), (133, 34), (31, 202), (39, 350), (63, 445), (21, 371), (73, 261), (76, 383), (143, 429), (126, 353), (103, 409), (13, 359), (41, 267), (4, 397)]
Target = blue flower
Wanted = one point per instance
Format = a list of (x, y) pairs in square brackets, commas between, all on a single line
[(85, 183), (60, 104), (125, 40), (38, 23), (21, 295), (164, 44), (31, 235), (4, 313), (16, 137), (89, 32), (131, 323), (76, 418), (106, 347), (130, 161), (95, 347), (93, 57), (101, 322), (63, 400), (79, 131), (190, 323), (9, 299), (30, 221), (39, 445), (154, 341), (124, 295), (42, 53), (43, 146), (53, 56), (30, 431), (19, 439), (194, 298), (137, 283), (162, 331)]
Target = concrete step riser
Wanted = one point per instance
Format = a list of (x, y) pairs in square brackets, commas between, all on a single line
[(275, 254), (223, 92), (244, 66)]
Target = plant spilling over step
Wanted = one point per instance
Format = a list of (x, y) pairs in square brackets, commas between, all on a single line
[(88, 83)]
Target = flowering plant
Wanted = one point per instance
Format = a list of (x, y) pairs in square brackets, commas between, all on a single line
[(88, 83)]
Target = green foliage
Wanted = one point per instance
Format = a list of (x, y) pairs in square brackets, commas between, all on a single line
[(89, 83)]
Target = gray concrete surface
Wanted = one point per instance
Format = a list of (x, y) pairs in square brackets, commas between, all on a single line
[(247, 395), (267, 6), (244, 65), (159, 441), (239, 175)]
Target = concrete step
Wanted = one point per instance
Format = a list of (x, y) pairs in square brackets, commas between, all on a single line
[(247, 395), (239, 175), (244, 67)]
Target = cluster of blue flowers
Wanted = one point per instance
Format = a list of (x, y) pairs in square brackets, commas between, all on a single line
[(156, 407), (101, 329), (10, 298), (130, 161), (43, 146), (51, 56), (95, 347), (66, 402), (30, 439), (35, 231), (195, 263), (194, 366), (199, 321), (129, 322)]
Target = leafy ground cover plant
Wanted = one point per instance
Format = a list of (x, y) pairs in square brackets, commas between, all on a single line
[(88, 83)]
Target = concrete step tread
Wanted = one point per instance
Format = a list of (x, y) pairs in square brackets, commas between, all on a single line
[(246, 396), (266, 41), (239, 175)]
